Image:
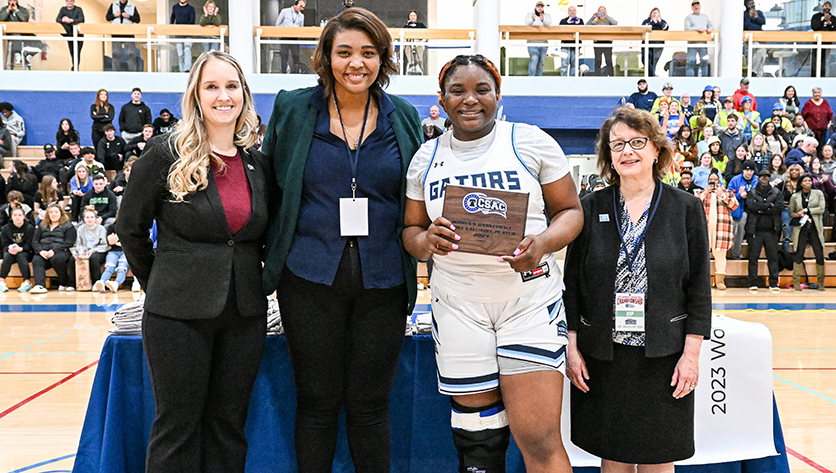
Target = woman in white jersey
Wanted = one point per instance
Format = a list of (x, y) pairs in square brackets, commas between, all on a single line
[(500, 332)]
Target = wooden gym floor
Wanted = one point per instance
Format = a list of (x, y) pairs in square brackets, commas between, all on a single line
[(50, 344)]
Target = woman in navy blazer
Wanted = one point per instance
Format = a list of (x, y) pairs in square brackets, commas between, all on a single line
[(205, 317), (633, 376)]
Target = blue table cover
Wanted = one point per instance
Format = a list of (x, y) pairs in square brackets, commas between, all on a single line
[(121, 409)]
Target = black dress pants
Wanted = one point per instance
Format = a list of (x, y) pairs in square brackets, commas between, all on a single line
[(344, 343), (768, 240), (202, 372)]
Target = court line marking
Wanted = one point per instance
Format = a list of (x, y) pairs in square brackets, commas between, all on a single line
[(32, 467), (804, 369), (802, 458), (34, 372), (46, 390), (807, 390)]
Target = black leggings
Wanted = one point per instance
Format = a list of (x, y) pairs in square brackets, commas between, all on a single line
[(96, 262), (64, 266), (22, 259), (202, 372), (809, 235), (344, 343)]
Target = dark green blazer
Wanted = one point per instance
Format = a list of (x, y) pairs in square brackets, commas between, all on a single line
[(287, 142)]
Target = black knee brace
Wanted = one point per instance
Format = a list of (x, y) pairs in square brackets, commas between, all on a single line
[(481, 436)]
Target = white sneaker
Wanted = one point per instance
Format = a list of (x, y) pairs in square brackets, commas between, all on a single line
[(25, 286), (135, 287), (99, 286), (62, 288), (753, 289), (38, 290), (775, 289), (112, 286), (69, 289)]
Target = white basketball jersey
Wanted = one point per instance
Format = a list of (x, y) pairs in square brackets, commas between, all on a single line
[(481, 277)]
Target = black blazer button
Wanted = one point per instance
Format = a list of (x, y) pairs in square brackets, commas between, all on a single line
[(230, 243)]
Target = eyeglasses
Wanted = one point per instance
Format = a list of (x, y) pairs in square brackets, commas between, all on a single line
[(635, 143)]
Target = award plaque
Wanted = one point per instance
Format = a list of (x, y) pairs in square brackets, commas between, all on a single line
[(490, 222)]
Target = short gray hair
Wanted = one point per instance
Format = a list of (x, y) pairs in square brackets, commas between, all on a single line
[(810, 141), (816, 89)]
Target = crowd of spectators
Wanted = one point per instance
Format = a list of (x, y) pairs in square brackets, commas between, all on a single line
[(70, 188), (753, 165)]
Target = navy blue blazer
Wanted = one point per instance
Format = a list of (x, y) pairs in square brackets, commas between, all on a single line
[(678, 274)]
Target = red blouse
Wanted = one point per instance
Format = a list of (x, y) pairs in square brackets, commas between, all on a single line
[(234, 189)]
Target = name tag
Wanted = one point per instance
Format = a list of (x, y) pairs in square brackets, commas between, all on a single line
[(354, 217), (603, 217), (629, 312)]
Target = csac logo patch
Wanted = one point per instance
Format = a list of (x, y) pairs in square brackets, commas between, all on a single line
[(477, 202)]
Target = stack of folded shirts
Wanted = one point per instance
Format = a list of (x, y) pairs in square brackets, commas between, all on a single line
[(128, 318), (274, 318)]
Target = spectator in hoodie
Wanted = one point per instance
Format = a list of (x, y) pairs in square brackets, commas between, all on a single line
[(91, 243), (133, 116), (741, 92), (15, 124), (102, 200), (111, 150), (16, 239), (740, 185), (165, 122)]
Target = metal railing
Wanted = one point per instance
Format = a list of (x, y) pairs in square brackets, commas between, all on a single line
[(572, 37), (403, 39), (149, 34), (786, 44)]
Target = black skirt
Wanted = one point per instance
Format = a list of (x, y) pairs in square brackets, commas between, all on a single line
[(629, 414)]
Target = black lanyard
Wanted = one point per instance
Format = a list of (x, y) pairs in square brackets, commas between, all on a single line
[(632, 259), (353, 158)]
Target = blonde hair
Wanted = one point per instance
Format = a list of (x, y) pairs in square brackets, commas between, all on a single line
[(190, 172)]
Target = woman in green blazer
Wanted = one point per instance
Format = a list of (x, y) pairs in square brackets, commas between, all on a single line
[(334, 251)]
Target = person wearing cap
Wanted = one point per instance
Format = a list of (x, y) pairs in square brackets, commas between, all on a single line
[(685, 106), (697, 58), (571, 19), (818, 115), (686, 182), (779, 118), (723, 115), (718, 158), (603, 56), (667, 93), (719, 204), (708, 103), (751, 119), (822, 21), (655, 22), (537, 49), (753, 20), (644, 98), (741, 92), (49, 165), (764, 205)]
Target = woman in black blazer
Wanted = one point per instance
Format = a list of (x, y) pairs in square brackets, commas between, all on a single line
[(634, 364), (205, 318)]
